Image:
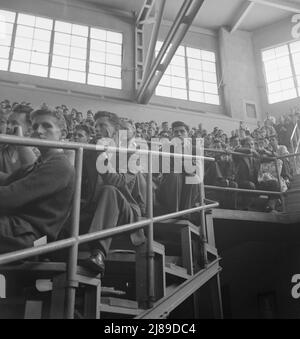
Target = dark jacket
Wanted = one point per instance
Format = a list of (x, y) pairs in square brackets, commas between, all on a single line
[(40, 196)]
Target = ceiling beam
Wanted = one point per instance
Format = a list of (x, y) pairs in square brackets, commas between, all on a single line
[(181, 25), (154, 36), (280, 4), (242, 14)]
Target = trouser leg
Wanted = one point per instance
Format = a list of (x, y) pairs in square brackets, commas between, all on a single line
[(112, 210)]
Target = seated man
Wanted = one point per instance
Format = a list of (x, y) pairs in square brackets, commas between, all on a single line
[(110, 199), (173, 192), (35, 201), (13, 157), (246, 170), (221, 173), (83, 134)]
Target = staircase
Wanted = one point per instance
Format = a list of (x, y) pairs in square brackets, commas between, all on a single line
[(179, 273)]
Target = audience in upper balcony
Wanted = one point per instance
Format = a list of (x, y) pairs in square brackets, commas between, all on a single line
[(251, 171)]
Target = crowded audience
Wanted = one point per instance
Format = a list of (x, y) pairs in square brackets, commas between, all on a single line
[(252, 171), (33, 205)]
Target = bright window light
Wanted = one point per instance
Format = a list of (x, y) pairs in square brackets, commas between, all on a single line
[(282, 72), (32, 45), (191, 76), (105, 65), (7, 20), (78, 53)]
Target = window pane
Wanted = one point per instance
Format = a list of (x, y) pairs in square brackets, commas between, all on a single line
[(197, 96), (41, 46), (178, 71), (193, 53), (114, 37), (210, 88), (60, 62), (58, 73), (7, 16), (3, 64), (21, 55), (25, 32), (97, 68), (44, 23), (78, 41), (28, 20), (4, 52), (96, 80), (63, 27), (274, 87), (114, 48), (19, 67), (295, 47), (164, 91), (97, 56), (208, 56), (113, 59), (97, 45), (212, 99), (113, 71), (165, 81), (280, 80), (80, 30), (61, 38), (196, 86), (77, 76), (113, 83), (39, 70), (42, 34), (178, 82), (195, 64), (77, 65), (39, 58), (98, 34), (209, 66), (61, 50), (78, 53), (179, 94)]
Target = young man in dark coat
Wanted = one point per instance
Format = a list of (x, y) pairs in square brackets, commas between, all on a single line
[(35, 201)]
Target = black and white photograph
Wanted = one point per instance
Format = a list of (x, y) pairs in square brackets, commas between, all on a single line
[(149, 162)]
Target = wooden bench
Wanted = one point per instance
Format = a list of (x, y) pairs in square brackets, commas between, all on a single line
[(21, 281)]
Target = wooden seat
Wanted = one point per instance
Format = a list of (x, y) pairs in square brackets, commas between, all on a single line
[(21, 279)]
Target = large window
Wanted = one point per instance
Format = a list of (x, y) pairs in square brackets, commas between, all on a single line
[(191, 76), (7, 20), (282, 72), (32, 45), (60, 50)]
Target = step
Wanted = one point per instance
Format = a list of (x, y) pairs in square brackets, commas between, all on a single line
[(117, 302), (177, 271), (119, 310)]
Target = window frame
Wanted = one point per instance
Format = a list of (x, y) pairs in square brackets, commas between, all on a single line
[(64, 83), (189, 103), (292, 66)]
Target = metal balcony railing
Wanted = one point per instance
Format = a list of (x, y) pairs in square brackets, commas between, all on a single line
[(75, 240)]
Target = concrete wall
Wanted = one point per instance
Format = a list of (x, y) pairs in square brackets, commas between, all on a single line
[(37, 90), (263, 38), (239, 73)]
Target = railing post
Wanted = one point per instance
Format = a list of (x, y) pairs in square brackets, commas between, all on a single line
[(73, 253), (150, 234)]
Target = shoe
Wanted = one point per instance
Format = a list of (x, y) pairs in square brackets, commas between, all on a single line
[(94, 263)]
